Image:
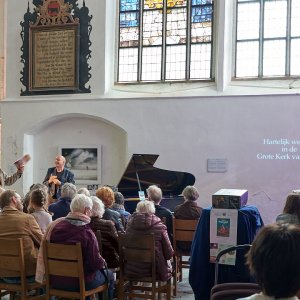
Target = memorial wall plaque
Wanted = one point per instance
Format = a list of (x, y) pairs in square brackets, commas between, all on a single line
[(56, 48), (53, 57)]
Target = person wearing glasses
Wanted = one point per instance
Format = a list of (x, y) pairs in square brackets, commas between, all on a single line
[(14, 223)]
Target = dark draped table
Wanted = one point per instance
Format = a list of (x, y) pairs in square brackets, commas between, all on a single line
[(201, 274)]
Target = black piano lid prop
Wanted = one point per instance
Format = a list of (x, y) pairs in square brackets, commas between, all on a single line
[(141, 173)]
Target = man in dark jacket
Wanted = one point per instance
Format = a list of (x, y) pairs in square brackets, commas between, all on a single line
[(57, 176)]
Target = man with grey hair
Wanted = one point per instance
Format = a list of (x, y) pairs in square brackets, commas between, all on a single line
[(16, 224), (155, 194), (62, 207), (189, 210)]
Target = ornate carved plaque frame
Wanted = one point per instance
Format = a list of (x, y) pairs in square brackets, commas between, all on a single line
[(56, 48)]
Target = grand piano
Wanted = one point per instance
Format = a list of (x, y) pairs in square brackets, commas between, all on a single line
[(141, 173)]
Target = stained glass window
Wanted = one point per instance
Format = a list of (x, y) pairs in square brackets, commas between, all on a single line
[(165, 40), (268, 38)]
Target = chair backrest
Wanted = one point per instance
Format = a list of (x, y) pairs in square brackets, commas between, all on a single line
[(183, 231), (232, 291), (12, 259), (137, 248), (243, 247), (63, 260)]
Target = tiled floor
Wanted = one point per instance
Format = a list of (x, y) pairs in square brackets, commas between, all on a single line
[(184, 290)]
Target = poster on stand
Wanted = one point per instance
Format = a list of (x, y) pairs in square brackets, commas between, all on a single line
[(223, 234)]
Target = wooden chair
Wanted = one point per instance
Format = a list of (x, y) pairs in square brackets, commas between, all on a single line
[(183, 231), (12, 259), (66, 260), (139, 248)]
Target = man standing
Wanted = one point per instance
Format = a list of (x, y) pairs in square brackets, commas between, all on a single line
[(16, 224), (57, 176)]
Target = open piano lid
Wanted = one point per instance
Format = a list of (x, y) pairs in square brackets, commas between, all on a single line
[(140, 173)]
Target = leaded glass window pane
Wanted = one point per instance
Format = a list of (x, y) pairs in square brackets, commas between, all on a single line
[(151, 63), (126, 5), (272, 27), (165, 36), (179, 3), (247, 67), (201, 2), (176, 26), (129, 37), (176, 62), (153, 4), (274, 58), (295, 57), (275, 14), (152, 27), (201, 13), (295, 18), (248, 21), (128, 64), (200, 61)]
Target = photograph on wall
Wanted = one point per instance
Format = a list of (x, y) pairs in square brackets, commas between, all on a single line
[(84, 162), (223, 234)]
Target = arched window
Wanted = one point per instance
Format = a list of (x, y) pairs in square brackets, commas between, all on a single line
[(268, 38), (165, 40)]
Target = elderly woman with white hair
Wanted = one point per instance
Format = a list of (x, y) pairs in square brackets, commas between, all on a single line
[(109, 235), (75, 228), (144, 221)]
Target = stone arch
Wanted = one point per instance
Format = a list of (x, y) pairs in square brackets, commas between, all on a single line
[(45, 138)]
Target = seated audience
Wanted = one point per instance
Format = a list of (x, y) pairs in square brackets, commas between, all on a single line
[(106, 195), (84, 191), (144, 221), (62, 207), (14, 223), (189, 210), (274, 261), (72, 229), (155, 194), (33, 187), (109, 235), (291, 211), (38, 202), (119, 206)]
